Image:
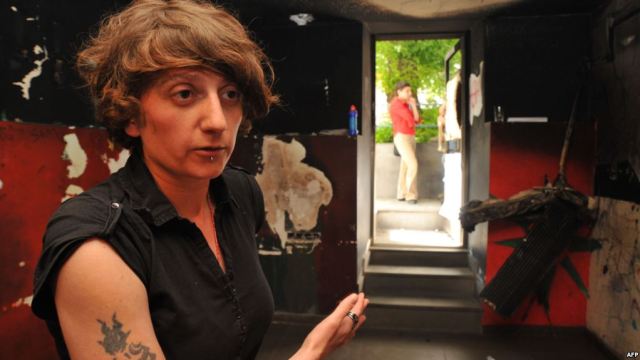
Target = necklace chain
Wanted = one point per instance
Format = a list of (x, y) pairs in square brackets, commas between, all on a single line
[(216, 246)]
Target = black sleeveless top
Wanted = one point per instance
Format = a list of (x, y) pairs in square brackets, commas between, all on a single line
[(198, 311)]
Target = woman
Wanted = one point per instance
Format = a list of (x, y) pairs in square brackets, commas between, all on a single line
[(403, 110), (160, 261)]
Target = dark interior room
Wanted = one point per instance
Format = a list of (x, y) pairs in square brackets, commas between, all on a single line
[(547, 209)]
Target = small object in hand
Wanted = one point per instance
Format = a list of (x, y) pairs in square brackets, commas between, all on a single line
[(351, 315)]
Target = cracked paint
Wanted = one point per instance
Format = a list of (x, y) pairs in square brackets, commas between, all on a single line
[(25, 301), (74, 153), (22, 264), (1, 184), (612, 309), (293, 190), (25, 84)]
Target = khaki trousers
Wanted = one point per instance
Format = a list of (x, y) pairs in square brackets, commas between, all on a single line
[(407, 177)]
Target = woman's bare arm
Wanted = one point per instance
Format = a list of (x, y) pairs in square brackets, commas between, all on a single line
[(103, 307)]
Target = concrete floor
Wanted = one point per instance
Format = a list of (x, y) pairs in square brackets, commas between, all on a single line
[(283, 339)]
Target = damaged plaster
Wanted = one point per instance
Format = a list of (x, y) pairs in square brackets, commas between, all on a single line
[(25, 84), (116, 164), (74, 153), (292, 188), (613, 313), (23, 301), (475, 94), (71, 191)]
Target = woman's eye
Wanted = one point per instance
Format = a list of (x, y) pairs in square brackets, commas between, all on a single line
[(231, 94), (184, 94)]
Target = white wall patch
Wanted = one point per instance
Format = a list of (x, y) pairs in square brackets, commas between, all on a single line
[(72, 191), (74, 153), (475, 94), (294, 189), (25, 84), (115, 165)]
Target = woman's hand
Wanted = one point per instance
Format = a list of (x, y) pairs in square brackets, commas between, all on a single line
[(335, 330), (413, 105)]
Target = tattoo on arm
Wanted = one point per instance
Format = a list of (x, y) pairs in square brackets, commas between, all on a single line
[(115, 342)]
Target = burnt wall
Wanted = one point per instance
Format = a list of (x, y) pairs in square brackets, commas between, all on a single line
[(318, 75), (615, 88), (478, 143), (534, 65), (612, 310), (318, 71), (39, 40)]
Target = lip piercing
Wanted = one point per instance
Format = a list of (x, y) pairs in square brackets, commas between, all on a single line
[(211, 158)]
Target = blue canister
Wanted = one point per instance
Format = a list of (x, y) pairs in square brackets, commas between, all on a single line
[(353, 121)]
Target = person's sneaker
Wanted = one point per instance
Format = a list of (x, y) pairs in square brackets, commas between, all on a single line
[(412, 201)]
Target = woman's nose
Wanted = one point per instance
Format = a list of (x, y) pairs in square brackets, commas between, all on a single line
[(213, 117)]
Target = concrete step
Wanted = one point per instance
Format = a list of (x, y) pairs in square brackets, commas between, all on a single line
[(408, 219), (414, 238), (428, 314), (418, 281), (418, 256), (432, 303)]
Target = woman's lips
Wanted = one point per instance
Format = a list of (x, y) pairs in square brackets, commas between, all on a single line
[(212, 151)]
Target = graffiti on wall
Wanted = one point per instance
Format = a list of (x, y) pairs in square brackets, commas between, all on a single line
[(613, 311)]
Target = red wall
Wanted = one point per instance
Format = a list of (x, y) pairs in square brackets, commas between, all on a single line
[(34, 179), (520, 156)]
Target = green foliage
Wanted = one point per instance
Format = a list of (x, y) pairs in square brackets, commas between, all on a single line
[(424, 133), (420, 62), (384, 133)]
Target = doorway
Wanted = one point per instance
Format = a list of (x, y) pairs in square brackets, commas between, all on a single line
[(433, 67)]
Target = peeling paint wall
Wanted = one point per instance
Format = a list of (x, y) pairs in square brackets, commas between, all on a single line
[(319, 75), (291, 189), (308, 248), (40, 166), (613, 309)]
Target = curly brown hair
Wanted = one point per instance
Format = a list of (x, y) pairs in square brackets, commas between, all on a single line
[(150, 36)]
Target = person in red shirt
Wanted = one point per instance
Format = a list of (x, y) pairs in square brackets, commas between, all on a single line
[(404, 117)]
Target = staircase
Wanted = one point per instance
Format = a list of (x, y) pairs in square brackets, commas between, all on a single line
[(413, 285)]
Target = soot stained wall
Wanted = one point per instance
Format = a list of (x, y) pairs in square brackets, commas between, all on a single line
[(615, 88), (534, 65), (39, 40), (478, 140), (318, 69)]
